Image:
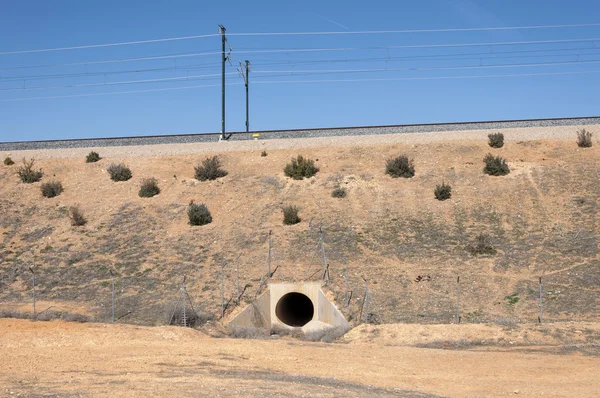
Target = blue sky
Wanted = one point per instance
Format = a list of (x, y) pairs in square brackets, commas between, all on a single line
[(290, 89)]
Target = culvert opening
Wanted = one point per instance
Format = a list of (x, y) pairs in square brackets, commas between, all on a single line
[(294, 309)]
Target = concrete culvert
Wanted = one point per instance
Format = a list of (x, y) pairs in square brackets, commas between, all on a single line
[(295, 309)]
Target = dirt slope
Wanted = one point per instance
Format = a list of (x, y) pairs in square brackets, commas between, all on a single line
[(542, 219)]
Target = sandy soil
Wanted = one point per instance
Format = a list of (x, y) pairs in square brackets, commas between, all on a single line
[(68, 359)]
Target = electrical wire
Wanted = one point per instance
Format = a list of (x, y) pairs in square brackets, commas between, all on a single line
[(448, 30), (304, 50), (304, 72), (423, 78), (309, 71), (368, 32), (126, 43), (311, 81), (166, 79), (116, 92), (212, 65)]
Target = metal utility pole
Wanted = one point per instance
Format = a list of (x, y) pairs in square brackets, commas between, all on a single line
[(224, 58), (245, 72), (33, 283)]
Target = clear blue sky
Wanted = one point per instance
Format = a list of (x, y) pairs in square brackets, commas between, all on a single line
[(30, 25)]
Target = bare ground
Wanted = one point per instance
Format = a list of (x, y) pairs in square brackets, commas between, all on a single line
[(66, 359)]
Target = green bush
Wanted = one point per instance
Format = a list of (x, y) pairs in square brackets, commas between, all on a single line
[(300, 168), (482, 246), (210, 169), (496, 140), (584, 139), (8, 161), (119, 172), (27, 174), (339, 192), (198, 214), (52, 189), (149, 188), (400, 166), (443, 191), (495, 165), (263, 153), (290, 215), (92, 157), (77, 217)]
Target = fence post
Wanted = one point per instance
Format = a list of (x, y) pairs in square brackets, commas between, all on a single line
[(33, 285), (112, 280), (541, 301), (458, 299)]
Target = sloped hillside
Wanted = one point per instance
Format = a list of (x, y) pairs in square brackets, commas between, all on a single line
[(542, 220)]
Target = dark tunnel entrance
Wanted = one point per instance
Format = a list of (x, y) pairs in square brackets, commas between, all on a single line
[(295, 309)]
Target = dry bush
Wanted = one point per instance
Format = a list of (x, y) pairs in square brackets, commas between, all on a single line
[(400, 166), (149, 188), (300, 168), (27, 174), (51, 189), (209, 170), (327, 335), (8, 161), (14, 314), (241, 332), (263, 153), (339, 192), (119, 172), (482, 246), (584, 139), (77, 217), (443, 191), (198, 214), (92, 157), (290, 215), (496, 140), (495, 165)]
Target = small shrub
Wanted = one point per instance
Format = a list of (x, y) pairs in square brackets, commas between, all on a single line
[(27, 174), (198, 214), (149, 188), (241, 332), (443, 191), (495, 165), (8, 161), (263, 153), (77, 217), (584, 139), (290, 215), (119, 172), (52, 189), (496, 140), (300, 168), (92, 157), (400, 166), (210, 169), (339, 192), (512, 299), (482, 246)]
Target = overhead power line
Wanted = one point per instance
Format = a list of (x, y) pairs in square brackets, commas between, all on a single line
[(124, 43), (304, 50), (212, 65), (311, 81), (365, 32), (447, 30), (166, 79), (305, 72), (309, 71), (423, 78)]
